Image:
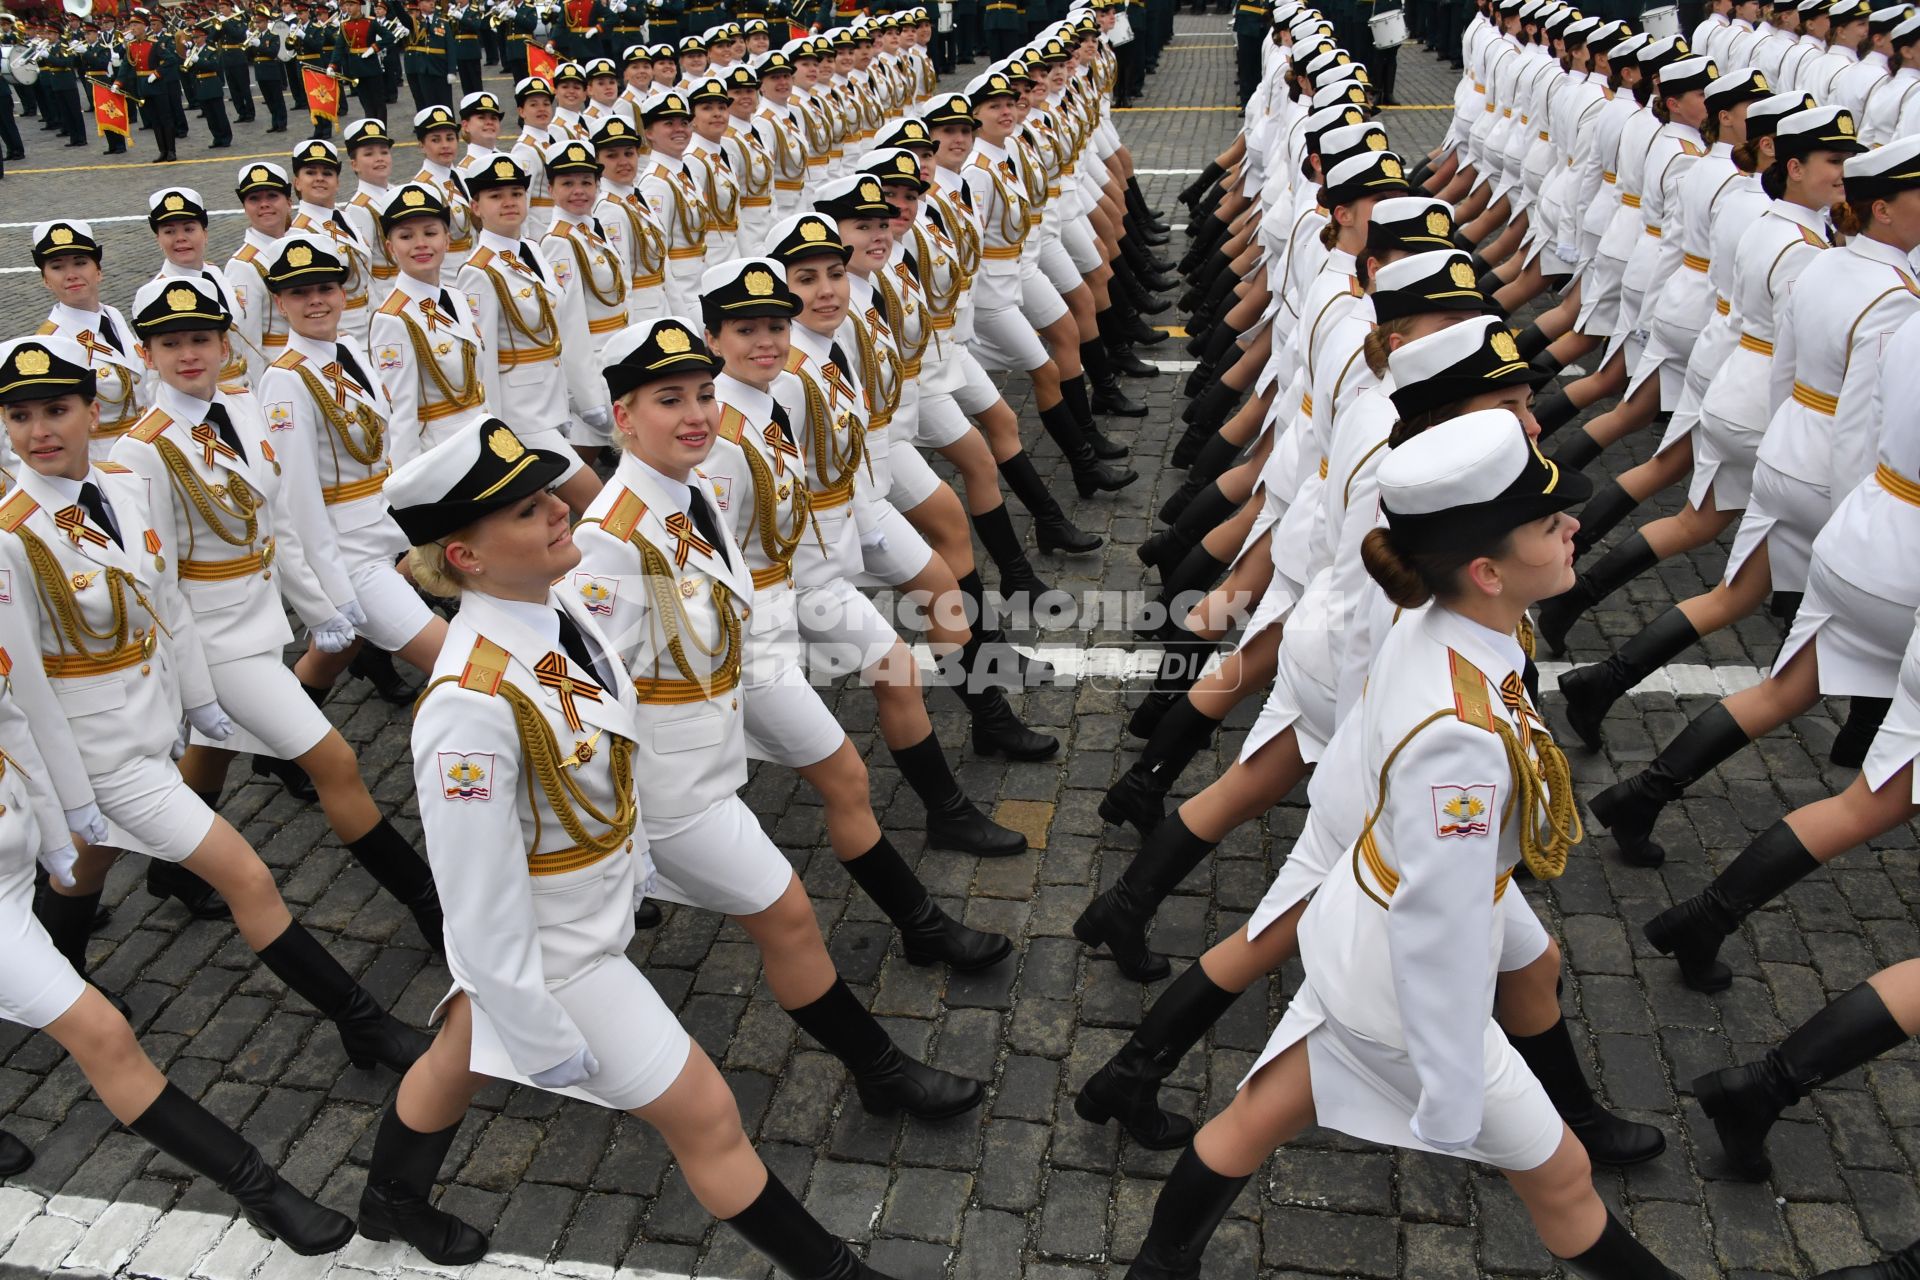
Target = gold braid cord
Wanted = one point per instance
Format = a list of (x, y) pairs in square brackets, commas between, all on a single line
[(828, 457), (778, 544), (55, 591), (469, 393), (663, 586), (545, 332), (371, 446), (1543, 799), (214, 510)]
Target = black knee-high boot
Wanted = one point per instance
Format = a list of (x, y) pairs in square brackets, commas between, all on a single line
[(1616, 1255), (1555, 1062), (1630, 557), (1140, 796), (376, 667), (1109, 396), (1191, 193), (953, 821), (1118, 918), (1118, 334), (887, 1080), (1554, 411), (1849, 750), (1200, 570), (1576, 451), (1166, 549), (1692, 931), (1051, 528), (1073, 393), (1744, 1101), (794, 1241), (370, 1034), (191, 1134), (988, 659), (396, 1202), (171, 880), (68, 920), (1591, 691), (1127, 1088), (1189, 1211), (1002, 541), (15, 1156), (399, 869), (1531, 342), (1609, 505), (1628, 809), (1090, 475), (288, 775), (1217, 456), (928, 935)]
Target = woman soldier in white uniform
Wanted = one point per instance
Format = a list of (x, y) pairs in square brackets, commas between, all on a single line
[(668, 185), (1391, 1038), (1819, 444), (439, 136), (628, 223), (516, 302), (45, 393), (95, 594), (69, 259), (676, 589), (593, 287), (219, 498), (316, 181), (1803, 181), (524, 752), (178, 218), (1466, 368), (327, 412), (844, 630), (266, 199), (759, 486)]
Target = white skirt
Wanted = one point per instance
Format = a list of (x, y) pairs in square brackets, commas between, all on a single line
[(1004, 339), (1369, 1090), (1862, 635), (905, 554), (639, 1044), (844, 631), (718, 860), (787, 723), (37, 984), (151, 810), (271, 713), (1786, 514), (1898, 743), (1040, 302), (1723, 457)]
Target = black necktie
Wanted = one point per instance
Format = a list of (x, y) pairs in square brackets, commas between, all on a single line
[(339, 220), (704, 521), (111, 334), (839, 359), (352, 367), (446, 305), (781, 420), (574, 641), (95, 504), (217, 415), (528, 256), (599, 230)]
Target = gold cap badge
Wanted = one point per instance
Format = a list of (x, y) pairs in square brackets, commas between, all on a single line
[(413, 197), (1461, 274), (503, 168), (1504, 346), (673, 341), (60, 235), (182, 299), (174, 204), (299, 256), (32, 363), (812, 231), (1437, 224), (504, 445), (759, 284)]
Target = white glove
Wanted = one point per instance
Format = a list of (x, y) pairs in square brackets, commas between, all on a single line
[(598, 419), (58, 859), (875, 541), (211, 721), (88, 823), (355, 614), (333, 635), (581, 1066)]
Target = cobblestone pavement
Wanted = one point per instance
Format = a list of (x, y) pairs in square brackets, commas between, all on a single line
[(1022, 1188)]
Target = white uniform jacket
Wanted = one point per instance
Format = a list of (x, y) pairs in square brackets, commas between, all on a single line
[(235, 554), (516, 309), (124, 386), (355, 252), (112, 688), (673, 607), (431, 363)]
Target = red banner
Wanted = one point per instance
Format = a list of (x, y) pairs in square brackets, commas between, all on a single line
[(109, 110), (323, 95), (541, 63)]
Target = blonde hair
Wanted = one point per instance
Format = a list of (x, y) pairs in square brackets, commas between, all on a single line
[(1376, 348), (431, 572)]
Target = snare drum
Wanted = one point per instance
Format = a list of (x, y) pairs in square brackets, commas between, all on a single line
[(1662, 22), (1389, 29)]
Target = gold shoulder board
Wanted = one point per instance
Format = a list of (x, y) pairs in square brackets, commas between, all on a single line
[(291, 360), (732, 423), (113, 468), (486, 667), (1470, 700), (16, 510), (623, 515), (148, 429)]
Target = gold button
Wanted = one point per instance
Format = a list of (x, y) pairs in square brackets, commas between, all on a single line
[(736, 704), (146, 669), (267, 574)]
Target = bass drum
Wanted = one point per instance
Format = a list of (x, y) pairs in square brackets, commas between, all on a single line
[(1389, 29), (21, 68)]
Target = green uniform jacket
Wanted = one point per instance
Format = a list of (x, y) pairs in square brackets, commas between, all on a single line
[(427, 49), (1004, 15), (204, 80), (265, 56)]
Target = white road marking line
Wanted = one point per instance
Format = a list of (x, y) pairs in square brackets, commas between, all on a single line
[(95, 1237), (1148, 173), (118, 217)]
